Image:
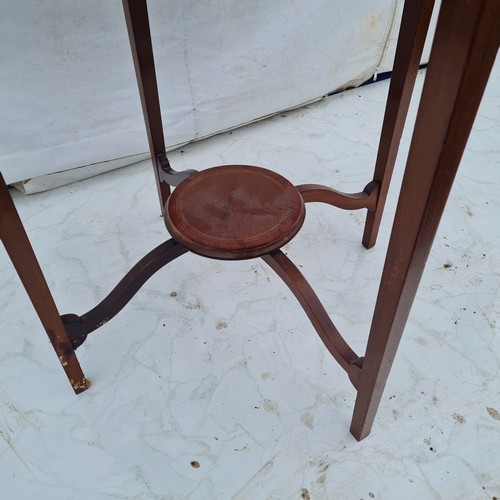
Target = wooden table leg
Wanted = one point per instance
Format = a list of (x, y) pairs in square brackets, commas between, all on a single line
[(136, 17), (463, 53), (412, 34), (23, 258)]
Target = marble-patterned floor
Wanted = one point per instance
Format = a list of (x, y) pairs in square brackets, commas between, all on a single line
[(211, 383)]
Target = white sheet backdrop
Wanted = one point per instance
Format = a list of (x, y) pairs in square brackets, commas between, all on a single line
[(68, 95)]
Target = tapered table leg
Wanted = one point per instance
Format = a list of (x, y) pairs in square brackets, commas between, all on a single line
[(412, 34), (463, 53), (136, 17), (23, 258)]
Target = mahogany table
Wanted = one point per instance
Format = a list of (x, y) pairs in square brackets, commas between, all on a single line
[(236, 212)]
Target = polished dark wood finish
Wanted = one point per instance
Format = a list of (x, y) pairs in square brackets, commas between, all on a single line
[(23, 258), (137, 20), (78, 327), (317, 314), (412, 34), (139, 33), (239, 212), (463, 53), (347, 201), (168, 175), (234, 212)]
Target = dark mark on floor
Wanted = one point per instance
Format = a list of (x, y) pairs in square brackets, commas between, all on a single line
[(493, 413), (308, 420), (270, 406), (195, 464), (305, 494), (220, 324), (323, 468), (459, 418), (428, 442), (195, 304)]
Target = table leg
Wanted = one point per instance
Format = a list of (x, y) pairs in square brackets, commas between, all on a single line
[(23, 258), (411, 40), (463, 53), (136, 17)]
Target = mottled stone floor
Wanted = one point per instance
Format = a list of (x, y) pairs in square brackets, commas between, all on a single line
[(212, 383)]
